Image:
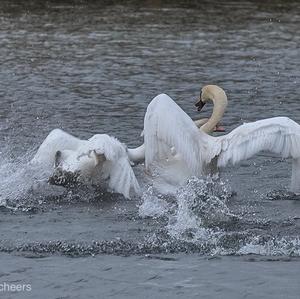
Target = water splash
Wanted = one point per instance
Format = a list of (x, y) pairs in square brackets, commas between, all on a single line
[(153, 205), (198, 219), (200, 203), (191, 210), (22, 182), (14, 180), (285, 246), (281, 195)]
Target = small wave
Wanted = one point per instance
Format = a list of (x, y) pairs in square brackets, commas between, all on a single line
[(285, 246), (282, 195), (227, 244)]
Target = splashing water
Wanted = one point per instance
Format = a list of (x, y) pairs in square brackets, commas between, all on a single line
[(153, 205), (14, 179), (191, 210), (198, 219), (273, 246), (21, 181)]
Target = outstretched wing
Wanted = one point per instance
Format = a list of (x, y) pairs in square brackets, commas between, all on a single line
[(166, 125), (279, 135)]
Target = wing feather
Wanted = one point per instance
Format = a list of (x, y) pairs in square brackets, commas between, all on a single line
[(166, 125), (57, 140), (122, 178), (279, 135), (117, 165)]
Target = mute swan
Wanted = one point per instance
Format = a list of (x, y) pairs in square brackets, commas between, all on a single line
[(98, 159), (137, 155), (166, 125), (171, 171)]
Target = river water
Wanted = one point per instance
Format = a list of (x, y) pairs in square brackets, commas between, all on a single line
[(92, 67)]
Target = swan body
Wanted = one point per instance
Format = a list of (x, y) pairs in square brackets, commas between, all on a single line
[(166, 125), (98, 159)]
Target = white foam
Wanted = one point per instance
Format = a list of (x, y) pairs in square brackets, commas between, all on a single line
[(198, 200), (273, 247), (152, 205), (18, 178)]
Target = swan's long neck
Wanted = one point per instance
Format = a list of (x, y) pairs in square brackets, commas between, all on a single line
[(137, 155), (219, 99), (200, 122)]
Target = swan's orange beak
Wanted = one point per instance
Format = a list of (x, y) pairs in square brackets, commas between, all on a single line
[(199, 104)]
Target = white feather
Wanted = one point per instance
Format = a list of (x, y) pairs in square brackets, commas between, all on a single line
[(115, 167), (55, 141), (166, 125), (279, 135)]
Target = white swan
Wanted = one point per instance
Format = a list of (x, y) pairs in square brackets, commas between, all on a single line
[(98, 159), (166, 125)]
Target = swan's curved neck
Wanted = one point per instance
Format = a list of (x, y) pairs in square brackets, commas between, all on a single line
[(137, 155), (200, 122), (219, 99)]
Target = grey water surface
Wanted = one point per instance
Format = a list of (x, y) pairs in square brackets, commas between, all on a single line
[(92, 67)]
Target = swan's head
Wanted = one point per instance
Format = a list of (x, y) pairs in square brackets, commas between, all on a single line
[(72, 167), (217, 95), (212, 93)]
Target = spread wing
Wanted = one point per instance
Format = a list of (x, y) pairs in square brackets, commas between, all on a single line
[(167, 126), (279, 135)]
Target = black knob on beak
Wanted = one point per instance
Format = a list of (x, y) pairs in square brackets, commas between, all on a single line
[(200, 105)]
